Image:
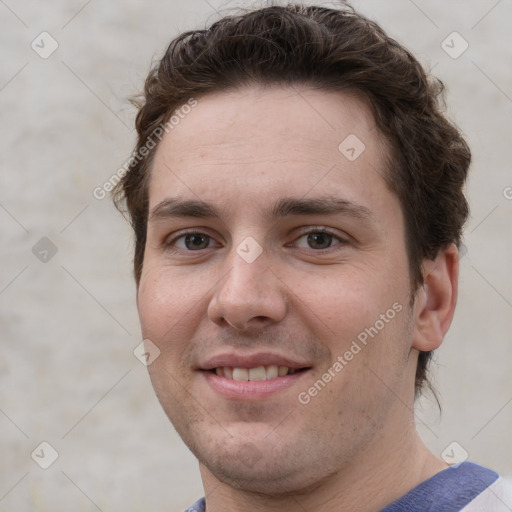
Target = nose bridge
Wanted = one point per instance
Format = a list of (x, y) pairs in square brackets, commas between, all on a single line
[(250, 290)]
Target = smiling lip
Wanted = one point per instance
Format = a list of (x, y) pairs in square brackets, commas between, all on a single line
[(254, 360), (212, 371), (251, 390)]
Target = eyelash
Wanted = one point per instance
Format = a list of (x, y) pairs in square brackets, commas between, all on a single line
[(169, 244)]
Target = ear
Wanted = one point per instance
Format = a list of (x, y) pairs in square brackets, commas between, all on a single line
[(436, 299)]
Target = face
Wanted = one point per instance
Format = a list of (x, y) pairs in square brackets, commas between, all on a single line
[(275, 285)]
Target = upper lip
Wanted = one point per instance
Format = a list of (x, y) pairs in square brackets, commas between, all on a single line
[(234, 360)]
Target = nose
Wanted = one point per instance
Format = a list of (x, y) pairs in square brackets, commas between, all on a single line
[(250, 295)]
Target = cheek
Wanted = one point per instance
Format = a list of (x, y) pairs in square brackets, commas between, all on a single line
[(361, 316), (167, 309), (167, 319), (346, 303), (155, 303)]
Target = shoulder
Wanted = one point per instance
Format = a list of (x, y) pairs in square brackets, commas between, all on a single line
[(198, 506), (451, 490)]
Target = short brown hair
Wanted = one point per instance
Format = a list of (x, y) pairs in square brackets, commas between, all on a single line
[(331, 50)]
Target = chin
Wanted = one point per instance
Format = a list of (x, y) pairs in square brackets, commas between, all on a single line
[(272, 476), (256, 461)]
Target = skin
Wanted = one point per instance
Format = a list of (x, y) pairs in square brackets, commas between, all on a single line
[(354, 446)]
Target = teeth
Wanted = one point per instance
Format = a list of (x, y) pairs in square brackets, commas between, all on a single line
[(240, 374), (272, 372), (258, 373), (254, 374)]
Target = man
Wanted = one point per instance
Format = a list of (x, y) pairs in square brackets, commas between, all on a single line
[(296, 197)]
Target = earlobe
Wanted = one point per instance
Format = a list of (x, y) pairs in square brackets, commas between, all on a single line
[(436, 299)]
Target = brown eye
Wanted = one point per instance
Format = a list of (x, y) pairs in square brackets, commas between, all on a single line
[(196, 241), (319, 240), (192, 241)]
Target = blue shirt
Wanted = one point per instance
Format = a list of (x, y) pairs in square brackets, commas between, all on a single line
[(450, 491)]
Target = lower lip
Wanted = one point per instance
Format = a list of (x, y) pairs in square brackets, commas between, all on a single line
[(251, 390)]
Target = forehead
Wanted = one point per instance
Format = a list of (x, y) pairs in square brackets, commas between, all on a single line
[(255, 143)]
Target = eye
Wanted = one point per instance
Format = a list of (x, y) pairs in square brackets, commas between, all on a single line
[(192, 241), (319, 239)]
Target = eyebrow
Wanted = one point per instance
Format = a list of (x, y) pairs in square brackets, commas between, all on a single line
[(169, 208)]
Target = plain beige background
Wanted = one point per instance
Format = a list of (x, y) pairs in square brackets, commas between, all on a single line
[(69, 325)]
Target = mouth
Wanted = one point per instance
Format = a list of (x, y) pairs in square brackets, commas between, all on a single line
[(256, 374), (252, 377)]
